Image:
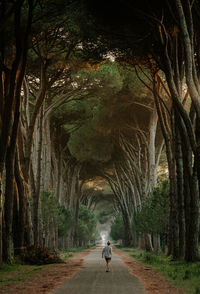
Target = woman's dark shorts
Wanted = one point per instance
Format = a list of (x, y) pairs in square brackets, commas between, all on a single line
[(107, 258)]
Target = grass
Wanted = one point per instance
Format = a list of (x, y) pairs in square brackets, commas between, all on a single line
[(67, 253), (19, 273), (179, 273), (10, 273)]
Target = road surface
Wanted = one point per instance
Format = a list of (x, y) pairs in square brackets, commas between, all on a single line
[(93, 279)]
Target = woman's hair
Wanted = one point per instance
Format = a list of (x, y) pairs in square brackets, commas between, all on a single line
[(108, 243)]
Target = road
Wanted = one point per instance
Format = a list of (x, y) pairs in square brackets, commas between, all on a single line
[(93, 279)]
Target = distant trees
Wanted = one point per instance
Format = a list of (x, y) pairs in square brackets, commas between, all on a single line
[(122, 139), (117, 230), (153, 218), (86, 227), (55, 221)]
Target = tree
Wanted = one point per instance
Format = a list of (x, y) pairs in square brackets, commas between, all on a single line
[(86, 228), (117, 231), (12, 63), (166, 39), (50, 52), (113, 135), (154, 214), (55, 220)]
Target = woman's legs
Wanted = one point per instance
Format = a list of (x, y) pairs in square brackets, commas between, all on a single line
[(108, 260)]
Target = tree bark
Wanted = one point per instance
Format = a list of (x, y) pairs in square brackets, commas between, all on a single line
[(127, 226), (9, 191), (21, 206), (152, 152), (15, 227), (8, 205), (36, 196), (1, 218), (180, 190), (173, 248)]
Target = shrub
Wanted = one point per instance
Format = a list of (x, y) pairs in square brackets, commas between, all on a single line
[(40, 255)]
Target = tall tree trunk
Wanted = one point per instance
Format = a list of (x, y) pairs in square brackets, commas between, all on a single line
[(180, 191), (11, 79), (127, 226), (192, 246), (1, 218), (148, 242), (173, 246), (156, 243), (47, 168), (10, 163), (25, 229), (173, 197), (76, 215), (22, 207), (151, 151), (8, 206), (15, 227), (60, 159), (180, 183), (36, 197)]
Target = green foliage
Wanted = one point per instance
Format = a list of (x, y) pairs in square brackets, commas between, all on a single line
[(69, 252), (103, 217), (114, 93), (54, 213), (87, 143), (117, 228), (64, 220), (17, 273), (86, 227), (93, 140), (153, 217), (49, 205), (109, 76)]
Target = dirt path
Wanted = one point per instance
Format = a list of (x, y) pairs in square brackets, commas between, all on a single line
[(48, 279), (152, 280), (93, 279)]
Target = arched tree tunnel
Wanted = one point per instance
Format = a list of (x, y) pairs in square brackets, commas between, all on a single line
[(99, 123)]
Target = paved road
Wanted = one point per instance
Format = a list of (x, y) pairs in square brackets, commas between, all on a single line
[(93, 279)]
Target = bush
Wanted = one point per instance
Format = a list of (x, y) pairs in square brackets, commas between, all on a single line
[(54, 214), (64, 220), (40, 255), (197, 290), (117, 228), (153, 217), (86, 227)]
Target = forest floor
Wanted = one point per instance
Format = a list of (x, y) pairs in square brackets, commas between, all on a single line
[(153, 281), (179, 273), (52, 277), (42, 280)]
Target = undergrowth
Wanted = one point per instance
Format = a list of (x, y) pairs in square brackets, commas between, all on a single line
[(10, 273), (67, 253)]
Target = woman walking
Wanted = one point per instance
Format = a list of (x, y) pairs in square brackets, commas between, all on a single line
[(107, 253)]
